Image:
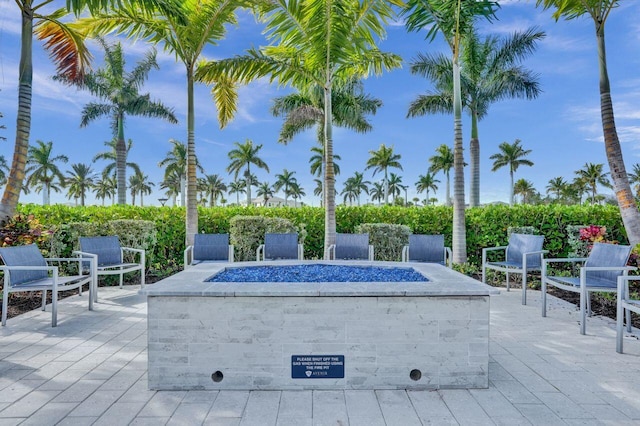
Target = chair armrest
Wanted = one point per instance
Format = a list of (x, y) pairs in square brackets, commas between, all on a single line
[(28, 268), (535, 252), (260, 250), (628, 278), (564, 260), (300, 251), (608, 268), (488, 249), (231, 253), (405, 253), (370, 252), (133, 249)]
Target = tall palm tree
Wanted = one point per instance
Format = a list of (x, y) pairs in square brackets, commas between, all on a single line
[(265, 191), (593, 174), (172, 183), (139, 183), (491, 72), (443, 161), (349, 192), (599, 11), (380, 161), (525, 189), (452, 19), (79, 181), (244, 155), (118, 91), (511, 155), (111, 155), (634, 179), (557, 186), (175, 164), (317, 161), (237, 187), (214, 188), (360, 185), (296, 192), (71, 57), (44, 173), (106, 187), (322, 44), (285, 180), (185, 32), (377, 192), (427, 183)]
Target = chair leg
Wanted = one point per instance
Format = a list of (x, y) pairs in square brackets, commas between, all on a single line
[(524, 287), (507, 281), (628, 311), (484, 274), (121, 278), (619, 325), (543, 290), (588, 304), (44, 300), (54, 308), (584, 296), (5, 305)]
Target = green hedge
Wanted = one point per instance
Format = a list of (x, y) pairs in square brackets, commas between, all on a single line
[(486, 226)]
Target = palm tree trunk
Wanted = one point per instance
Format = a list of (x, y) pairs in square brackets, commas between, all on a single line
[(192, 190), (329, 174), (448, 189), (23, 123), (46, 194), (459, 226), (626, 203), (511, 188), (248, 183), (121, 162), (386, 188), (474, 153)]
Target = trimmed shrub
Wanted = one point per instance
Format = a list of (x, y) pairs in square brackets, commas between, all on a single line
[(387, 239), (246, 233)]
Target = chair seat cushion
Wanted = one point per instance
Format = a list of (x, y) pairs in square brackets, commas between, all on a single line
[(118, 266), (511, 265), (591, 282), (48, 282)]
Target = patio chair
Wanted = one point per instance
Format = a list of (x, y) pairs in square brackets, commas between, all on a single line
[(280, 247), (426, 248), (26, 270), (626, 305), (208, 248), (109, 258), (600, 272), (522, 254), (351, 247)]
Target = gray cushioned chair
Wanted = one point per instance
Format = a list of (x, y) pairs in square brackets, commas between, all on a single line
[(600, 272), (26, 270), (280, 247), (208, 248), (523, 254), (426, 248), (626, 305), (351, 247), (109, 257)]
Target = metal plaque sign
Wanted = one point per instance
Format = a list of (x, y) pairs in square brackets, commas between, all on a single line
[(317, 366)]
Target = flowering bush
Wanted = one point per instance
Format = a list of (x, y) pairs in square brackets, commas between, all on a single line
[(23, 229), (593, 234)]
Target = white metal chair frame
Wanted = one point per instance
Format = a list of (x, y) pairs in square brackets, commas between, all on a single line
[(625, 305)]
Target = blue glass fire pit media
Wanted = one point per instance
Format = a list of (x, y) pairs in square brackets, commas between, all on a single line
[(317, 274)]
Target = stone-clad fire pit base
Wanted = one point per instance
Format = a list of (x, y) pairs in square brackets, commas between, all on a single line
[(244, 336)]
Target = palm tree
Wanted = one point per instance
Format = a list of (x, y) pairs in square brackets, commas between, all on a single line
[(360, 185), (237, 187), (118, 91), (443, 161), (139, 183), (175, 164), (285, 180), (296, 192), (244, 155), (172, 183), (44, 174), (317, 160), (214, 188), (79, 181), (377, 192), (599, 11), (634, 178), (349, 192), (453, 19), (394, 185), (112, 157), (491, 72), (322, 44), (106, 188), (71, 58), (578, 188), (592, 175), (265, 191), (380, 161), (511, 155), (183, 31), (427, 183), (525, 189), (557, 186)]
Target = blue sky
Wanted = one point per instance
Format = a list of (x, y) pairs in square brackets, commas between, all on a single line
[(562, 127)]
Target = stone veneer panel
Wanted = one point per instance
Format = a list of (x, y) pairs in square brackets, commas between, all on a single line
[(250, 340)]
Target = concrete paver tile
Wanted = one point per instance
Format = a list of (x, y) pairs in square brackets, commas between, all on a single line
[(397, 408)]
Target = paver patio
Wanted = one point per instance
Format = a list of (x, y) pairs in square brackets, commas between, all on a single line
[(91, 369)]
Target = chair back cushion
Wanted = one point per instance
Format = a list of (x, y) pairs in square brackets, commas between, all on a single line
[(525, 243), (211, 247), (426, 248), (352, 246), (281, 246), (607, 255), (28, 255), (107, 249)]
